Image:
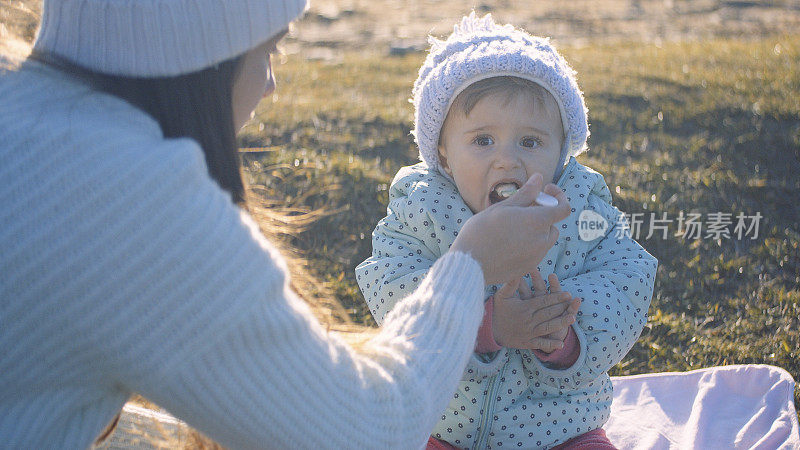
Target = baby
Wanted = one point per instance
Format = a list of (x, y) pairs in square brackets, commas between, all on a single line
[(494, 105)]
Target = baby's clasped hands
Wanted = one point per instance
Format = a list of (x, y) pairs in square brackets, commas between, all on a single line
[(533, 319)]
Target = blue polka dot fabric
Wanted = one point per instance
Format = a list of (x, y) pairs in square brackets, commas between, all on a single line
[(509, 398)]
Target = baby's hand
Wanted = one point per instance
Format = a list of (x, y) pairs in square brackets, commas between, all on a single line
[(520, 320), (540, 290)]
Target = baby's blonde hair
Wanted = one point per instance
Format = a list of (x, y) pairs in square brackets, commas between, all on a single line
[(509, 86)]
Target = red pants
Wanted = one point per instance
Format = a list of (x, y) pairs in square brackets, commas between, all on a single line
[(593, 440)]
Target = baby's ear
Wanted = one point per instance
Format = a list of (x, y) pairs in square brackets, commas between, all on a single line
[(443, 160)]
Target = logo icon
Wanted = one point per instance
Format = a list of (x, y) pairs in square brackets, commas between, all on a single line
[(591, 225)]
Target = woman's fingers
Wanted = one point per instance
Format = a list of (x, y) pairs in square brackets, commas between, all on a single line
[(553, 214), (526, 229), (555, 191), (552, 189), (552, 235), (526, 195)]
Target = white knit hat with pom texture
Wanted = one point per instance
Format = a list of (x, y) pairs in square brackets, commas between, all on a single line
[(479, 49)]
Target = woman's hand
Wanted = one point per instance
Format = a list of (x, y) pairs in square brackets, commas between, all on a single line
[(514, 234)]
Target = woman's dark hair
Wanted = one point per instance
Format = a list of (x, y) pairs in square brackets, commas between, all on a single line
[(196, 105)]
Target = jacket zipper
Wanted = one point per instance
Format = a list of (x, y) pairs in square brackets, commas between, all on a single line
[(488, 410)]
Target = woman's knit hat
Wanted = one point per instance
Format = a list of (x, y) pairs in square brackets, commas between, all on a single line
[(479, 49), (154, 38)]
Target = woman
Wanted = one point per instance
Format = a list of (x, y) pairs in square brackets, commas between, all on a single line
[(127, 265)]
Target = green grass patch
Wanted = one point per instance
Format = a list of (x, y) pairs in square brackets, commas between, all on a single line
[(699, 127)]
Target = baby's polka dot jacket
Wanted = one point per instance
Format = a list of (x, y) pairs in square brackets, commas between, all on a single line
[(510, 398)]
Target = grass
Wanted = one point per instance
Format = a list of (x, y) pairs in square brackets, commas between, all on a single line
[(699, 127)]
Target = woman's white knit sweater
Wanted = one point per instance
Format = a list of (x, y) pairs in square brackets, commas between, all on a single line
[(124, 268)]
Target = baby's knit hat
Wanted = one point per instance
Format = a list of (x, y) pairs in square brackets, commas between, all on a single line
[(154, 38), (479, 49)]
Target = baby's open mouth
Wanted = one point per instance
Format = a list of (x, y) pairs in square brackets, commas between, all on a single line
[(502, 191)]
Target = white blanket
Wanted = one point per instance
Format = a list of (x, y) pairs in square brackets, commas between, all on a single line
[(729, 407)]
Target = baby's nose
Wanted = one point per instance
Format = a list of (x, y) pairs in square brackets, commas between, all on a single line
[(506, 157)]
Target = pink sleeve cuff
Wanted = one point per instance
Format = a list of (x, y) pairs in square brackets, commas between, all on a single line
[(486, 342), (565, 356)]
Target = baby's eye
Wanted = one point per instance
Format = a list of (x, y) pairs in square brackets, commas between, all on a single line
[(483, 140), (531, 142)]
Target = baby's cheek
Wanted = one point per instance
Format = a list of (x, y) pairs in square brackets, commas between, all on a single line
[(475, 208), (472, 198)]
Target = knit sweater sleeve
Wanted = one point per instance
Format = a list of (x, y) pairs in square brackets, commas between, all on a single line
[(127, 269), (237, 355), (407, 242)]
